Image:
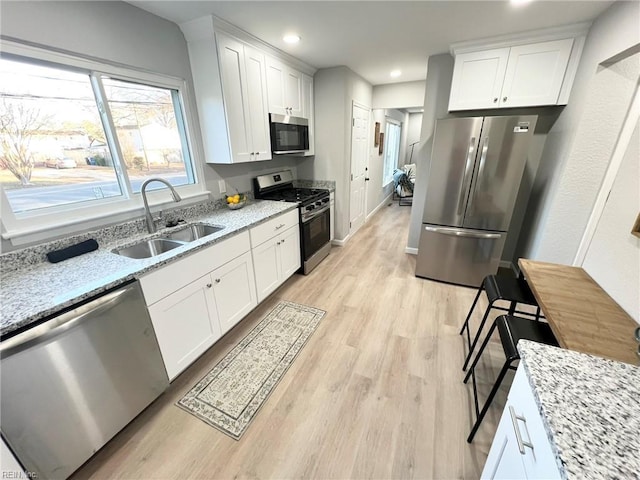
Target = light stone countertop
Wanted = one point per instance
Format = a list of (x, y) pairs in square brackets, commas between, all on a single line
[(37, 289), (590, 408)]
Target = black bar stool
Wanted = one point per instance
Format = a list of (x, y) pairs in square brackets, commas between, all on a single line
[(511, 330), (499, 287)]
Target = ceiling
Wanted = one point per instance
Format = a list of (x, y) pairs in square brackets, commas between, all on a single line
[(374, 37)]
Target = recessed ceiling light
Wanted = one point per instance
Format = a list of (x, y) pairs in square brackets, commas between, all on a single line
[(519, 2), (291, 38), (395, 73)]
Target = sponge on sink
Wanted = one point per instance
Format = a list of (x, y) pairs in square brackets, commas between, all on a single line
[(72, 251)]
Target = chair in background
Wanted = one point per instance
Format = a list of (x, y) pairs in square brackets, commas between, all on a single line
[(511, 329), (499, 287), (404, 180)]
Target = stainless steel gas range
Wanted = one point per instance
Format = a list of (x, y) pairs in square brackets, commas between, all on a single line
[(315, 217)]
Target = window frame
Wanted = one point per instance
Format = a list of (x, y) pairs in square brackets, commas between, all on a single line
[(38, 225)]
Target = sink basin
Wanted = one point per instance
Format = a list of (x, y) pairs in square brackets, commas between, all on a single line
[(193, 232), (149, 248)]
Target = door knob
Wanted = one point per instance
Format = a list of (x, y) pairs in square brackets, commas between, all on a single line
[(366, 179)]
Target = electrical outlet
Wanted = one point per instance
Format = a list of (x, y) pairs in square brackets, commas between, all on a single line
[(222, 186)]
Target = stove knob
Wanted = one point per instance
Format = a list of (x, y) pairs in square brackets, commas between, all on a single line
[(311, 207), (325, 200), (318, 203)]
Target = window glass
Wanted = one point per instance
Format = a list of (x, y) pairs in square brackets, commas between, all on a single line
[(151, 142), (53, 143), (391, 151)]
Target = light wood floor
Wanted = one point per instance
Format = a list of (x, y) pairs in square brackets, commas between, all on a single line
[(376, 393)]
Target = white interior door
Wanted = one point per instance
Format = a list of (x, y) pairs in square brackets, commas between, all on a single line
[(359, 141)]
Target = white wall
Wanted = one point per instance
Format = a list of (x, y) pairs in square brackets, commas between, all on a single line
[(335, 90), (613, 257), (399, 95), (377, 193), (436, 102), (414, 128), (568, 182)]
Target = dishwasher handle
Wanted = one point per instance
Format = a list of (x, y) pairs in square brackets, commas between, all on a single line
[(63, 322)]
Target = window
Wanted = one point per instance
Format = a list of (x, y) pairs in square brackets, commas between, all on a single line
[(75, 140), (391, 151)]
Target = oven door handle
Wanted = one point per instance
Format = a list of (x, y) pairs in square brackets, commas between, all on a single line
[(316, 213)]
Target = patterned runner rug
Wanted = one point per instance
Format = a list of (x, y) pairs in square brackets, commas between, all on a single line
[(230, 395)]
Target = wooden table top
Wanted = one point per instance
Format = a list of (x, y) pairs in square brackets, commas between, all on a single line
[(581, 314)]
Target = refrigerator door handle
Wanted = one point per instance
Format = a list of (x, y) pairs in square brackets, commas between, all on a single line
[(467, 167), (483, 160), (455, 232)]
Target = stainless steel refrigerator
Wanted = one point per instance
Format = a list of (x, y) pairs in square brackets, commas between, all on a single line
[(474, 175)]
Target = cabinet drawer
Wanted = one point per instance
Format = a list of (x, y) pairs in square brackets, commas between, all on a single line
[(163, 281), (271, 228)]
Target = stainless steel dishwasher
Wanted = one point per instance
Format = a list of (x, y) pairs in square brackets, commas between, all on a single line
[(71, 383)]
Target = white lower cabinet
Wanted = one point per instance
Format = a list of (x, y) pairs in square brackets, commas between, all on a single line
[(275, 247), (234, 291), (186, 324), (520, 448), (195, 300), (275, 260)]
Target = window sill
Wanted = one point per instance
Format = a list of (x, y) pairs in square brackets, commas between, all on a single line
[(40, 233)]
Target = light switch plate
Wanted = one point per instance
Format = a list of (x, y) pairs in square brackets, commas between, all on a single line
[(222, 186)]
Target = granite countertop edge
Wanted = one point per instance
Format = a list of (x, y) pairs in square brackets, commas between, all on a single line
[(41, 281), (589, 407)]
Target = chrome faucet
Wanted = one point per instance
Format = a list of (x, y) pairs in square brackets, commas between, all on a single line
[(151, 227)]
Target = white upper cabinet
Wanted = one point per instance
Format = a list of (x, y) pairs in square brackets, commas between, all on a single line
[(244, 92), (477, 79), (535, 73), (257, 100), (520, 74), (284, 87), (231, 95)]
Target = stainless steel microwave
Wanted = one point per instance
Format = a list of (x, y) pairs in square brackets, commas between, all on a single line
[(288, 134)]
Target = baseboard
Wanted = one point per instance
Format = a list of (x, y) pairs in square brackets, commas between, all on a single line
[(411, 250), (341, 243), (382, 204)]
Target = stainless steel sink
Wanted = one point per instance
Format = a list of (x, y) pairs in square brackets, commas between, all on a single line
[(149, 248), (193, 232)]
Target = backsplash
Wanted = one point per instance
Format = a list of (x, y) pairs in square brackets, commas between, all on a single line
[(328, 184), (36, 254)]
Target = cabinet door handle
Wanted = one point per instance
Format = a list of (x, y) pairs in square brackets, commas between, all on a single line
[(280, 226), (504, 99), (495, 100), (282, 241), (514, 419), (209, 285), (277, 243), (217, 280)]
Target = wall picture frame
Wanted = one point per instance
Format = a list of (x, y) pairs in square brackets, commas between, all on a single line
[(636, 227), (381, 144), (376, 135)]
